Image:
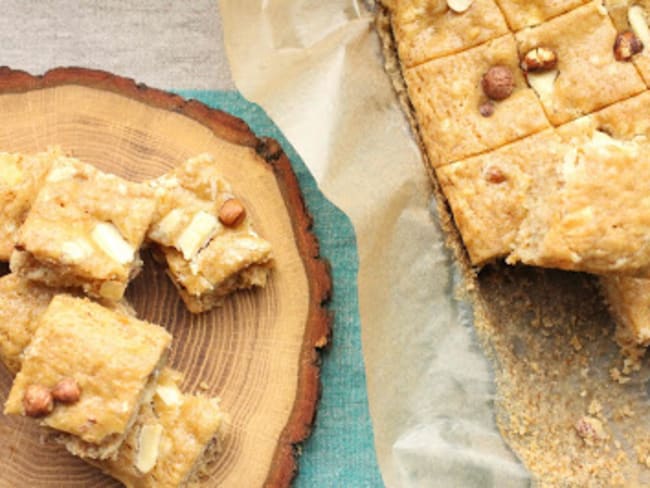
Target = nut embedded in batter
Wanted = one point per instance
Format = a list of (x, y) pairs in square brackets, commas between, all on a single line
[(627, 45), (539, 59), (486, 109), (232, 213), (495, 175), (498, 83)]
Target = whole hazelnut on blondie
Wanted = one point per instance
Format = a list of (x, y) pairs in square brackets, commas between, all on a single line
[(66, 391), (539, 59), (627, 44), (498, 83), (37, 401), (232, 213)]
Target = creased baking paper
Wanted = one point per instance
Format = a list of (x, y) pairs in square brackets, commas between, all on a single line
[(316, 68)]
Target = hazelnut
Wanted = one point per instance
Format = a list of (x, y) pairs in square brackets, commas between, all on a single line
[(627, 45), (37, 401), (232, 213), (494, 175), (498, 83), (539, 59), (66, 391), (486, 109)]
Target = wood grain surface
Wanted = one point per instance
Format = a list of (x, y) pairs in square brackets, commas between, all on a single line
[(259, 352)]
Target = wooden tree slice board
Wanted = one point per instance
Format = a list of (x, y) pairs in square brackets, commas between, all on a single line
[(259, 352)]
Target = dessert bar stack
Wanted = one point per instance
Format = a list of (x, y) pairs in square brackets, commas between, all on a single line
[(91, 373), (535, 119)]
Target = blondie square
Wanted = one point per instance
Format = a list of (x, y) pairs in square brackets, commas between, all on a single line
[(526, 13), (587, 76), (84, 230), (429, 29), (446, 94), (22, 302), (595, 216), (112, 360), (21, 177), (21, 305), (488, 194), (633, 15), (206, 235), (174, 440)]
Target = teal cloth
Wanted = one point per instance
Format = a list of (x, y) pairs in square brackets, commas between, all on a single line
[(340, 451)]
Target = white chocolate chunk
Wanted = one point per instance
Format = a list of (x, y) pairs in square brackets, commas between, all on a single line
[(168, 227), (202, 227), (112, 290), (607, 146), (148, 447), (170, 395), (10, 174), (459, 6), (637, 19), (76, 251), (542, 82), (109, 240), (61, 172)]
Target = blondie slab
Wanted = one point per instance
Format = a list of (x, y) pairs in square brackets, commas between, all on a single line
[(173, 442), (429, 29), (587, 76), (206, 235), (112, 358), (84, 230), (21, 177), (447, 95)]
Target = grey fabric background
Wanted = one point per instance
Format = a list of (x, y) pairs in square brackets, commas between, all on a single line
[(163, 43)]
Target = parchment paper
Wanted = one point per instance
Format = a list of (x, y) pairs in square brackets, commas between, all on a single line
[(316, 68)]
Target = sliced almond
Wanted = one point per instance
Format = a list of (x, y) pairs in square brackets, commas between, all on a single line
[(637, 18), (148, 447), (109, 240), (542, 82), (459, 6), (202, 227), (170, 395)]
